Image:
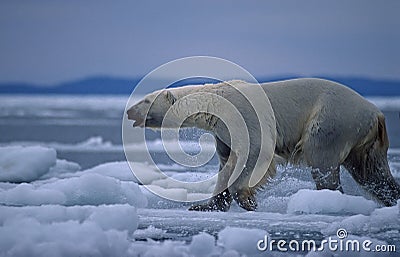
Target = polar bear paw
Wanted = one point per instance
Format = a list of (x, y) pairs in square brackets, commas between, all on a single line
[(246, 199), (209, 206), (220, 202)]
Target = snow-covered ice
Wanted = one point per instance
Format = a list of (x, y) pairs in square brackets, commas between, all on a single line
[(25, 164), (328, 202), (51, 207), (28, 194), (380, 220), (53, 230), (94, 189), (242, 240)]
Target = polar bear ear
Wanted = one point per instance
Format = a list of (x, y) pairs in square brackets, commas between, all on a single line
[(170, 97)]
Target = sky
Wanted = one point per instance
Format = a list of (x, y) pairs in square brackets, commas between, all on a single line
[(52, 41)]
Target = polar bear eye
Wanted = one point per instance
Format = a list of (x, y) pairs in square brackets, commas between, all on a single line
[(146, 101)]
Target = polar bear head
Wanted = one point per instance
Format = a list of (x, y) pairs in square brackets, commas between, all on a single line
[(150, 111)]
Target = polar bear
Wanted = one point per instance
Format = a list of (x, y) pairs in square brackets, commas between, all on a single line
[(316, 122)]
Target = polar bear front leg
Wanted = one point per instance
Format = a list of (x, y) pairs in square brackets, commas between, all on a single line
[(252, 170), (222, 198), (244, 188), (240, 189)]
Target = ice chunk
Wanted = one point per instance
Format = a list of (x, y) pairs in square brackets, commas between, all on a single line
[(95, 189), (122, 171), (202, 244), (61, 168), (149, 232), (25, 164), (328, 202), (152, 177), (121, 218), (56, 213), (88, 189), (27, 194), (118, 170), (380, 220), (66, 231), (243, 240)]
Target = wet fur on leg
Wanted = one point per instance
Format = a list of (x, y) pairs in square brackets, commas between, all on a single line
[(369, 167), (220, 202), (246, 197)]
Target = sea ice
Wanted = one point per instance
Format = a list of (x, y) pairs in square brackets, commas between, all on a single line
[(61, 168), (67, 231), (25, 164), (381, 220), (94, 211), (95, 189), (202, 244), (243, 240), (328, 202), (86, 189), (117, 170), (27, 194), (231, 242)]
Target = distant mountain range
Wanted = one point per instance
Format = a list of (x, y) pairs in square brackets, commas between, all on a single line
[(121, 86)]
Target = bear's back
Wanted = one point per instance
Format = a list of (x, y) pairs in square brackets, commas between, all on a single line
[(297, 102), (306, 92)]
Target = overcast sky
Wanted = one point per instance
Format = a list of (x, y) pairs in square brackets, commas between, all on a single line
[(50, 41)]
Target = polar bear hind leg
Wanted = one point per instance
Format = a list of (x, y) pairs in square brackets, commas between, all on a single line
[(368, 165)]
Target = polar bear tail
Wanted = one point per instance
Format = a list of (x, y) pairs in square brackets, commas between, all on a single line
[(382, 136), (368, 165)]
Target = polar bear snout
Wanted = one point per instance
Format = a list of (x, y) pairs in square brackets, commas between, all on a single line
[(136, 116)]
